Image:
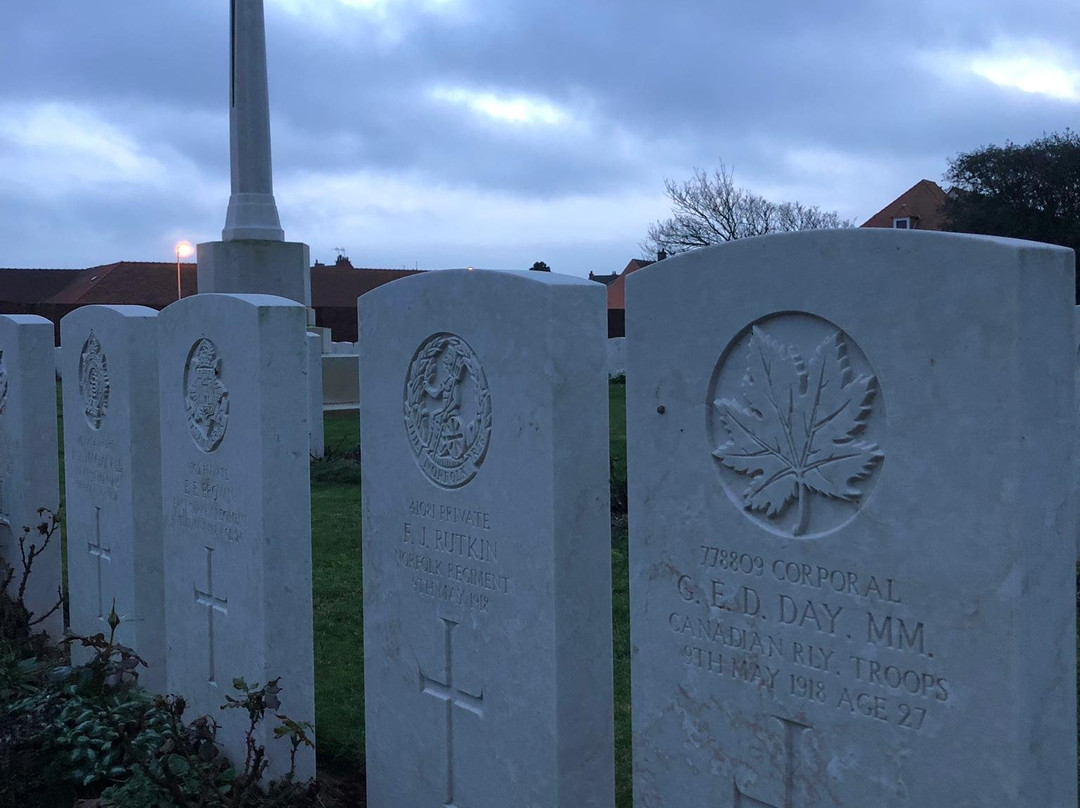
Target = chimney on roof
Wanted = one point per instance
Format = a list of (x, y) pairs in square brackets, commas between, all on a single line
[(661, 255)]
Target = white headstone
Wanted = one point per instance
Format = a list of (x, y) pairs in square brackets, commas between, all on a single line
[(112, 463), (487, 566), (29, 474), (236, 493), (1076, 432), (317, 444), (616, 356), (327, 337), (851, 535)]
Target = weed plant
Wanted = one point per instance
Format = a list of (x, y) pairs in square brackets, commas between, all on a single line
[(88, 731)]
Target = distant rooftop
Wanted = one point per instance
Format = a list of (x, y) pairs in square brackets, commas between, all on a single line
[(918, 208), (33, 285)]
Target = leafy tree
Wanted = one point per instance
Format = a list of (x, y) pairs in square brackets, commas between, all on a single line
[(1027, 191), (710, 209), (540, 266)]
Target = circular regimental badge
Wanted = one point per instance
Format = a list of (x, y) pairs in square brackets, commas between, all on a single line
[(93, 381), (3, 384), (206, 400), (794, 422), (447, 410)]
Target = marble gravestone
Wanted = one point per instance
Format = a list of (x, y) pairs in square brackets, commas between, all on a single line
[(1076, 390), (317, 440), (487, 572), (851, 535), (29, 475), (237, 510), (112, 460)]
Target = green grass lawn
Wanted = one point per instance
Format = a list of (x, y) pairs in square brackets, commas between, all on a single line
[(337, 604), (338, 599)]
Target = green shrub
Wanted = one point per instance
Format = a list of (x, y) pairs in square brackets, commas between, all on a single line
[(70, 731)]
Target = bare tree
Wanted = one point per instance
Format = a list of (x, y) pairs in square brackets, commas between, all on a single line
[(710, 208)]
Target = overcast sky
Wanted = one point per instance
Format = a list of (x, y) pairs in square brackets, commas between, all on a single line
[(495, 133)]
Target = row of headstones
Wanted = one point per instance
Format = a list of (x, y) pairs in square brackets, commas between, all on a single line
[(851, 531), (187, 505)]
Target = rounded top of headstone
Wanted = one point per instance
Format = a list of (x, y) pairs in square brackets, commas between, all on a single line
[(526, 279), (24, 320), (97, 310), (886, 244)]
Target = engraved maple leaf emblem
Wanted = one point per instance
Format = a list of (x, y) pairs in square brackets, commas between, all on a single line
[(793, 429)]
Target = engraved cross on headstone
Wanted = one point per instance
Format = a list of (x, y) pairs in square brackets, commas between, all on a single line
[(792, 730), (6, 533), (212, 604), (102, 553), (453, 697)]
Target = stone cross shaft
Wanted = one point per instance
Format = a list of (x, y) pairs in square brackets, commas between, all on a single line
[(453, 697), (792, 730), (213, 604), (102, 553), (252, 210)]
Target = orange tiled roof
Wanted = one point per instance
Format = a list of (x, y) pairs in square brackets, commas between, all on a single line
[(141, 283), (921, 202), (616, 291), (153, 283)]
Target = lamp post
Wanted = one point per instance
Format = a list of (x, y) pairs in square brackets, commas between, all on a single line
[(183, 250)]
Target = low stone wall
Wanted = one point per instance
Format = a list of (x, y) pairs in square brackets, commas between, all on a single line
[(341, 381)]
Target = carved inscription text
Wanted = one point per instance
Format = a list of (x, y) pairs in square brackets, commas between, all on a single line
[(813, 637), (97, 467), (452, 555), (208, 503)]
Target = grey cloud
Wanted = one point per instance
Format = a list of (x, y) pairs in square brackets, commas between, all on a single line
[(662, 88)]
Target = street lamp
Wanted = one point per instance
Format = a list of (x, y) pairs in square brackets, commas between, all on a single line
[(183, 250)]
